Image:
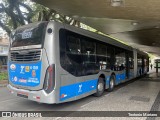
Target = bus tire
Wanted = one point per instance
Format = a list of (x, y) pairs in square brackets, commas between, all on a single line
[(100, 87), (111, 83)]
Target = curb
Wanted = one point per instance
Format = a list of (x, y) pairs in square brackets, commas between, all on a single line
[(3, 83)]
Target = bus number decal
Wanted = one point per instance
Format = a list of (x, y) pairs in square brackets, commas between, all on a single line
[(26, 35), (80, 88)]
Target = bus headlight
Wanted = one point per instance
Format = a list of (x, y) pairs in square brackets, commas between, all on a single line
[(49, 81)]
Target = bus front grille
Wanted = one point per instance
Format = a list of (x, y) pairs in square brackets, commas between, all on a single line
[(25, 56)]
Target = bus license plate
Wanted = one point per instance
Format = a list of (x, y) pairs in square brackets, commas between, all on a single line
[(22, 95)]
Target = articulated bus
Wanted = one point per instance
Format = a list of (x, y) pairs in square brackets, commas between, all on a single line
[(51, 62)]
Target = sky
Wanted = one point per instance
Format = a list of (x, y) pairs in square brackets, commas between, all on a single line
[(1, 31)]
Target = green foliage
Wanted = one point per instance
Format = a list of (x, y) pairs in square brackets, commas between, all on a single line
[(15, 13), (41, 13), (3, 76)]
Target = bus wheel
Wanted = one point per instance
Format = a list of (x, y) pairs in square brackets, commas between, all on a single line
[(100, 87), (111, 83)]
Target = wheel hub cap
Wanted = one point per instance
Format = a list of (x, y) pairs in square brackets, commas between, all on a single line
[(100, 87), (111, 83)]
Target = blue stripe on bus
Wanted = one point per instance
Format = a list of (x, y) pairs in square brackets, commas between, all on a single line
[(80, 88), (131, 74), (107, 80), (77, 89), (120, 77)]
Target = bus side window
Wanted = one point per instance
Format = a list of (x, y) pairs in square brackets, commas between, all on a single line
[(88, 51), (88, 47), (101, 56), (110, 58), (89, 56), (120, 63), (73, 45), (73, 56), (62, 37), (131, 60)]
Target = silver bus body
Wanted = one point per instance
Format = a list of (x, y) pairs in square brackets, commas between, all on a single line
[(66, 86)]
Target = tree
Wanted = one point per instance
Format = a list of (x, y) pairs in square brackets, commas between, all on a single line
[(42, 13), (15, 13)]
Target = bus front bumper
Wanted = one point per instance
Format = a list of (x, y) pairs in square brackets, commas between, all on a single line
[(39, 96)]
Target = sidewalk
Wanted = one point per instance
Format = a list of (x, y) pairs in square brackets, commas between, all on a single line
[(152, 71)]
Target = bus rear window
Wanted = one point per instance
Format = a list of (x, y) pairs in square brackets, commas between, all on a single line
[(31, 34)]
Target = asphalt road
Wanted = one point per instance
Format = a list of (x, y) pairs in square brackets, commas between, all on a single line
[(8, 102)]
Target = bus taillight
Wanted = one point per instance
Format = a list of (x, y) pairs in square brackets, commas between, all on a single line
[(49, 79)]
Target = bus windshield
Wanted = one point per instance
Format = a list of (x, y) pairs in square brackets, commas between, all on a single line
[(32, 34)]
